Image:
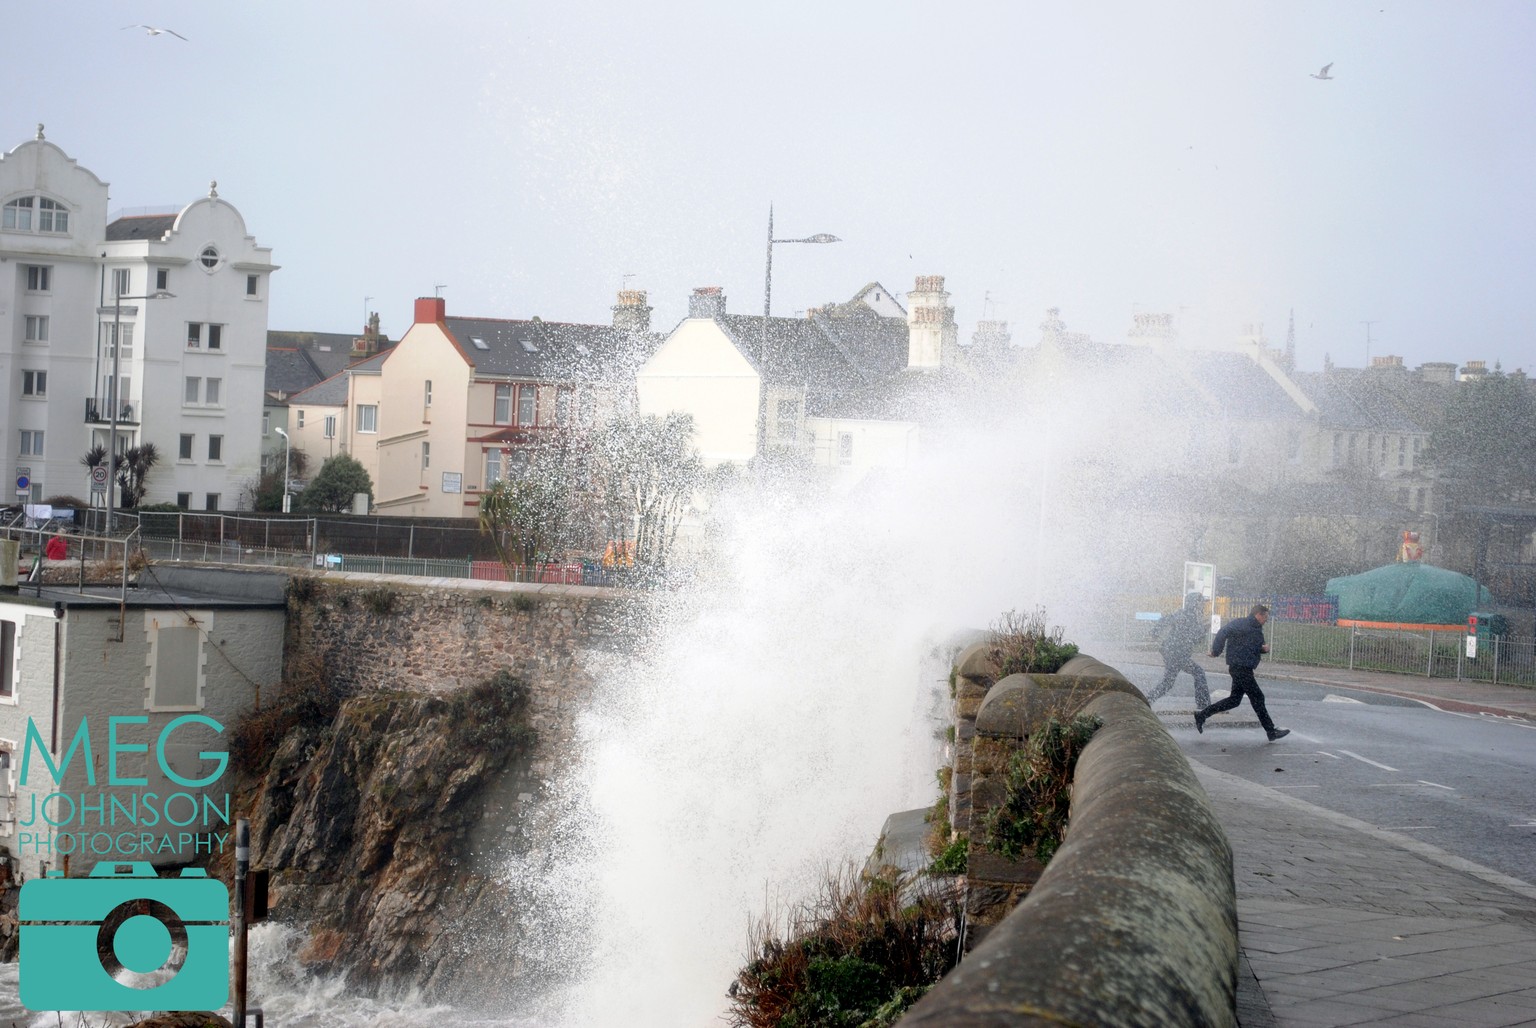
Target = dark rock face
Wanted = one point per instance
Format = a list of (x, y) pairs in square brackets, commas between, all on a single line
[(368, 823)]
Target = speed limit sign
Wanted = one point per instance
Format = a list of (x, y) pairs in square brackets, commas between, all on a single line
[(99, 475)]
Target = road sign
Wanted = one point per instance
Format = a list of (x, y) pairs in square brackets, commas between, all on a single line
[(23, 485), (99, 475)]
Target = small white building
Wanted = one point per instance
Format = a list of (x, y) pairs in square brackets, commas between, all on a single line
[(135, 718), (189, 376)]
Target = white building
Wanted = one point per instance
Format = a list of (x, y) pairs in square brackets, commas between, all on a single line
[(192, 364)]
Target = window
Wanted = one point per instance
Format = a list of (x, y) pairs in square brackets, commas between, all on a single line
[(215, 447), (330, 426), (197, 332), (212, 501), (122, 281), (35, 328), (426, 455), (503, 413), (266, 422), (18, 214), (300, 422), (111, 328), (492, 467), (525, 405), (368, 417), (250, 285), (51, 216), (194, 334), (175, 663), (184, 451), (7, 658), (38, 276), (209, 258), (1402, 451), (215, 337), (192, 389), (1338, 446), (34, 383), (428, 391), (211, 387), (845, 448), (31, 443), (184, 501), (162, 278)]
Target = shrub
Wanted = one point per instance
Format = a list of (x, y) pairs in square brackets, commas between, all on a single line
[(858, 954), (496, 712), (306, 697), (954, 859), (1021, 644), (380, 600), (1037, 800)]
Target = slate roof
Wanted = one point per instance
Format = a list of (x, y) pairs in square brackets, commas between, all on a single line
[(333, 391), (547, 351), (140, 226), (298, 360), (1374, 400)]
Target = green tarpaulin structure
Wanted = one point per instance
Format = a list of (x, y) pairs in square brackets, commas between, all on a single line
[(1409, 593)]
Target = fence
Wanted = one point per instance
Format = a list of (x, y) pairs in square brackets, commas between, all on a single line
[(1433, 654)]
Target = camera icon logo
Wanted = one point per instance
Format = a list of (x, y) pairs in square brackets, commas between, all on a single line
[(79, 936)]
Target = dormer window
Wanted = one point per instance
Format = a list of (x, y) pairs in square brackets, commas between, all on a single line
[(35, 214), (209, 258)]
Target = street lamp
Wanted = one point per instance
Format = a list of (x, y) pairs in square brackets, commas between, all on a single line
[(287, 444), (112, 397), (762, 354)]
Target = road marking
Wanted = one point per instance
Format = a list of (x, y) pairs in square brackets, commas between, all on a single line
[(1392, 785), (1293, 787), (1367, 760), (1335, 756), (1528, 824), (1447, 788), (1408, 828), (1333, 698)]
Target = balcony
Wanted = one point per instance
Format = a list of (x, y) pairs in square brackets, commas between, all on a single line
[(99, 412)]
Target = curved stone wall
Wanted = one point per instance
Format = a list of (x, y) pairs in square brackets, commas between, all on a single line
[(1134, 922)]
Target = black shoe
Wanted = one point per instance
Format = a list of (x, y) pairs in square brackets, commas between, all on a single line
[(1200, 722), (1279, 733)]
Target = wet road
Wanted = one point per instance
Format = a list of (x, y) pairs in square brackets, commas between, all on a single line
[(1464, 783)]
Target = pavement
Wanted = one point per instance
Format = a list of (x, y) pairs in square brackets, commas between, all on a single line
[(1344, 923)]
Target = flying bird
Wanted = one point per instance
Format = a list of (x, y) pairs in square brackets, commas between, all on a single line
[(1324, 73), (155, 31)]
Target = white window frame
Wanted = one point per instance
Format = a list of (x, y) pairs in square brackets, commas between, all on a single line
[(34, 383), (426, 455), (368, 419), (54, 213), (122, 282), (32, 442), (428, 393), (213, 392), (330, 426), (215, 336), (501, 407), (492, 467), (192, 391), (845, 449), (35, 329)]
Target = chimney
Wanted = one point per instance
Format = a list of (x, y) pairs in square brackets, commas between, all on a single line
[(631, 314), (707, 302), (430, 310), (1438, 372), (1386, 361)]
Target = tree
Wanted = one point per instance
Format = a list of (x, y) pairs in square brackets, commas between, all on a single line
[(647, 470), (133, 469), (544, 502), (266, 491), (1482, 447), (332, 488)]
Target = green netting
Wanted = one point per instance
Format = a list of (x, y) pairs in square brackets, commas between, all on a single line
[(1408, 593)]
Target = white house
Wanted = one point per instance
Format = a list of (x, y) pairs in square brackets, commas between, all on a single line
[(193, 324)]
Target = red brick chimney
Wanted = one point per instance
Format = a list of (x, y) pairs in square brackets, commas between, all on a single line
[(430, 310)]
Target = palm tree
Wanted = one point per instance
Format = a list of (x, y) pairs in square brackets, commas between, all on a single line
[(132, 470)]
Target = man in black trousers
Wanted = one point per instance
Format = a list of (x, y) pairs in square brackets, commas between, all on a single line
[(1244, 642)]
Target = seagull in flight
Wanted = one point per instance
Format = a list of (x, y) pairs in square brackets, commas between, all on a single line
[(155, 31), (1324, 73)]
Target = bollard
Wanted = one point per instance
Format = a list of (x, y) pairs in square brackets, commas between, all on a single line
[(242, 866)]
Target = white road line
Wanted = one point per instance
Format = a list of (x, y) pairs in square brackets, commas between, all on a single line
[(1334, 698), (1325, 753), (1528, 824), (1447, 788), (1293, 787), (1367, 760), (1392, 785), (1407, 828)]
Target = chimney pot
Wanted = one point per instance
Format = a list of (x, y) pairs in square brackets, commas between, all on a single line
[(430, 310)]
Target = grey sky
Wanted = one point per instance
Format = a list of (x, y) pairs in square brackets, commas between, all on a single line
[(1100, 157)]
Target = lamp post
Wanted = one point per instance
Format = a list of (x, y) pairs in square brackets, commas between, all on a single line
[(112, 397), (287, 445), (763, 357)]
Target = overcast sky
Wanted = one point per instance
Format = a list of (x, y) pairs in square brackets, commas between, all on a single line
[(1104, 158)]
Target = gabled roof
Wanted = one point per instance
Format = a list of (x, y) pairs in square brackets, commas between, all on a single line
[(333, 391), (290, 371), (140, 226), (551, 351), (298, 360)]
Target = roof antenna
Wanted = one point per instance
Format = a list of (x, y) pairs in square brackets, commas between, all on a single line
[(437, 290)]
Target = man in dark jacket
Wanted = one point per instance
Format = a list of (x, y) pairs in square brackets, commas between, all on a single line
[(1182, 632), (1244, 642)]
